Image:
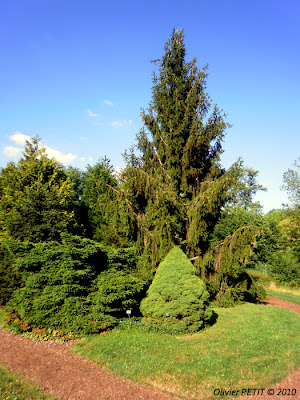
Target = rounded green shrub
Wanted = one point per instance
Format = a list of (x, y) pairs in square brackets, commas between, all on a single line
[(177, 290)]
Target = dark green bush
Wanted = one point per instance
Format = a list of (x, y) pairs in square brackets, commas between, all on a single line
[(117, 291), (77, 285), (10, 277), (178, 291)]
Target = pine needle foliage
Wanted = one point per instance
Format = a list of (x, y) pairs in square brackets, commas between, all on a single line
[(76, 285), (109, 219), (178, 291), (173, 181), (224, 267)]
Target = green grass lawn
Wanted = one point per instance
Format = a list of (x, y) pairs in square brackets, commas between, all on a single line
[(293, 298), (249, 346)]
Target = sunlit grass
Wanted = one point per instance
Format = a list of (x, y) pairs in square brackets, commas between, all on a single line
[(249, 346), (287, 296), (281, 289)]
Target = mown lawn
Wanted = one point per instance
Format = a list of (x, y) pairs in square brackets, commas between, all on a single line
[(249, 346)]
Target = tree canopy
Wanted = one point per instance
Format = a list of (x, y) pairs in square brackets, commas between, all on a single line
[(35, 197)]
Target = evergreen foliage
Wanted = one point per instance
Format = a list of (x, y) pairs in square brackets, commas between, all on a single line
[(35, 197), (285, 268), (117, 291), (10, 277), (175, 186), (65, 288), (178, 291), (109, 220), (224, 268)]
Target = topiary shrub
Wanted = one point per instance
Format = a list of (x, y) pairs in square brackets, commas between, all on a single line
[(178, 291)]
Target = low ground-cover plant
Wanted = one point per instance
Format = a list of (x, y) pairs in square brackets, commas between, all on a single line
[(249, 346)]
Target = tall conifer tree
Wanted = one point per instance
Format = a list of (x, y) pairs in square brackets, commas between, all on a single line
[(175, 184)]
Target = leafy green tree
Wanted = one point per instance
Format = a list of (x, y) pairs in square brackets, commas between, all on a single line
[(291, 180), (290, 226), (224, 267), (35, 193), (235, 217), (178, 291)]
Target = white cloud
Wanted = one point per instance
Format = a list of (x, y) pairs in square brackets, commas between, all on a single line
[(14, 152), (92, 114), (117, 171), (64, 158), (109, 103), (19, 138), (11, 151), (117, 124)]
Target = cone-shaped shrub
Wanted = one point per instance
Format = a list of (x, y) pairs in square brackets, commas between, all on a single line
[(178, 291)]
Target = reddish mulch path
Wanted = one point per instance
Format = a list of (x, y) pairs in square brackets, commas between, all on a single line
[(66, 375), (71, 377), (272, 301)]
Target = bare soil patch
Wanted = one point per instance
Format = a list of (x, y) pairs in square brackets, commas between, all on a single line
[(71, 377)]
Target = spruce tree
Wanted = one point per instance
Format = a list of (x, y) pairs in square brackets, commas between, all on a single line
[(177, 291), (174, 181)]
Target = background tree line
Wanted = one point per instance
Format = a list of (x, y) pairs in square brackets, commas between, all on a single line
[(82, 246)]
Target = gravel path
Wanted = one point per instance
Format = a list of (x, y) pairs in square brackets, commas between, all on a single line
[(71, 377)]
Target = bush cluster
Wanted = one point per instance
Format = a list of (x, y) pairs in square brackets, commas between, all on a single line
[(73, 286)]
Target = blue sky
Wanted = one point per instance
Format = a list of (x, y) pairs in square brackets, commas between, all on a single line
[(79, 72)]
